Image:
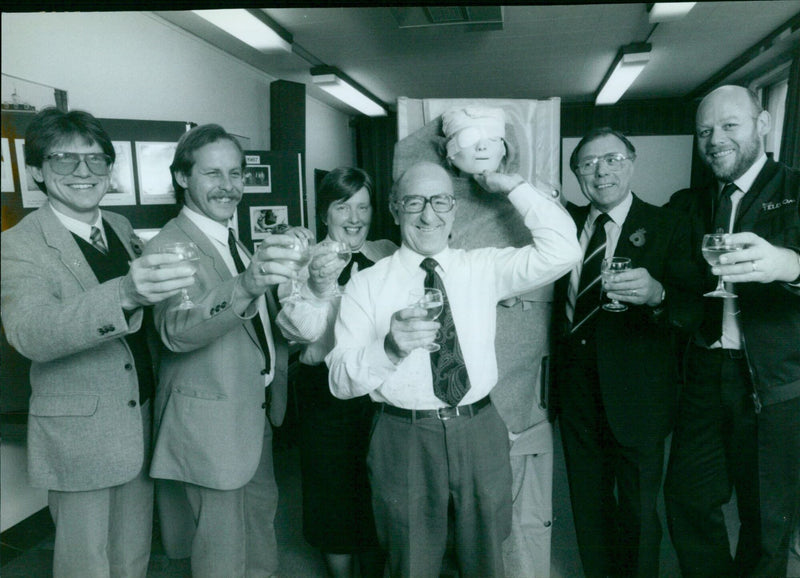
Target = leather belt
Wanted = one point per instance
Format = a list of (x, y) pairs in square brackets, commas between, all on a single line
[(443, 413)]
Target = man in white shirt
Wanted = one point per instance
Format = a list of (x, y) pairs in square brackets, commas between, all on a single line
[(212, 434), (439, 442)]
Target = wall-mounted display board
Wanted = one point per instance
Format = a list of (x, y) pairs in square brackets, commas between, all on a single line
[(141, 190), (274, 196)]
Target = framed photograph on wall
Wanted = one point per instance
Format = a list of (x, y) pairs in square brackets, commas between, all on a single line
[(31, 195), (121, 191), (155, 181), (7, 176), (257, 179), (265, 221)]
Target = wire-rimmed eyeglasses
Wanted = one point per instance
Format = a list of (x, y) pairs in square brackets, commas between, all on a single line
[(613, 161)]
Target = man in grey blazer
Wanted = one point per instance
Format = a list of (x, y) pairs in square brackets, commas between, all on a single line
[(222, 366), (73, 295)]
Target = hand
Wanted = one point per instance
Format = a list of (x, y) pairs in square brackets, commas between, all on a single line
[(409, 330), (759, 261), (635, 286), (494, 182), (301, 233), (324, 269), (153, 278), (275, 262)]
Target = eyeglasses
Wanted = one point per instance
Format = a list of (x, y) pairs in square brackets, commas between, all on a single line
[(66, 163), (416, 203), (613, 162)]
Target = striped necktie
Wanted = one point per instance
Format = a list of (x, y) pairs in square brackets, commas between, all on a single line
[(589, 292), (450, 378), (97, 240)]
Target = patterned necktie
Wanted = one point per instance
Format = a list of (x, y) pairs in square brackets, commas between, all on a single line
[(97, 240), (587, 297), (363, 263), (450, 378), (257, 325)]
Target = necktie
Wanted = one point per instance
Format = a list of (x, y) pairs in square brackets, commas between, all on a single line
[(257, 325), (450, 378), (589, 291), (97, 240), (363, 263), (722, 216)]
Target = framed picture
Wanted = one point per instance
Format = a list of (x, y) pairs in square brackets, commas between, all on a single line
[(7, 176), (121, 191), (31, 195), (155, 180), (265, 221), (257, 179)]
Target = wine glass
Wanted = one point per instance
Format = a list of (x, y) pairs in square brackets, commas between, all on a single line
[(609, 269), (714, 246), (343, 252), (301, 245), (190, 255), (432, 301)]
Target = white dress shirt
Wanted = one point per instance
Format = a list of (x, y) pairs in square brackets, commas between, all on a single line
[(474, 281), (81, 229), (218, 235)]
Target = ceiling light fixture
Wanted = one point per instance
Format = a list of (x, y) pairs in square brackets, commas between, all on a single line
[(630, 61), (337, 84), (252, 27), (669, 11)]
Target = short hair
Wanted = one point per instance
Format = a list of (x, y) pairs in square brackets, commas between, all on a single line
[(595, 134), (397, 185), (339, 185), (52, 127), (195, 139)]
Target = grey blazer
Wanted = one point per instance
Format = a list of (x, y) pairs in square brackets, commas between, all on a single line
[(85, 425), (209, 410)]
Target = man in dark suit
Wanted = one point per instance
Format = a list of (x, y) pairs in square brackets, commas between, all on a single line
[(222, 366), (739, 418), (74, 297), (616, 372)]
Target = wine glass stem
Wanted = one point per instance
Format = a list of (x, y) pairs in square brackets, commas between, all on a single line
[(720, 284)]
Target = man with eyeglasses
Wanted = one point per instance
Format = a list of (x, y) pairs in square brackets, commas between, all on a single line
[(615, 374), (74, 301), (739, 418), (438, 442)]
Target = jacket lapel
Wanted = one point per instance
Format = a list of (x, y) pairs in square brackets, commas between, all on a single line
[(633, 222), (59, 238)]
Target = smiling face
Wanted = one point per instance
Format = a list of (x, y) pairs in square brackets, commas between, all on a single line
[(78, 194), (215, 185), (730, 132), (348, 220), (603, 187), (426, 232)]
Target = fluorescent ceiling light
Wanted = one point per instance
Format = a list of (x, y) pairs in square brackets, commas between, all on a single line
[(335, 83), (669, 11), (249, 26), (630, 61)]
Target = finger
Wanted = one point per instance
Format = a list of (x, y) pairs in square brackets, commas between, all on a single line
[(156, 259)]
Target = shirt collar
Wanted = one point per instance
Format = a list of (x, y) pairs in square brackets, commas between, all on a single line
[(749, 177), (411, 259), (83, 230), (618, 214), (210, 227)]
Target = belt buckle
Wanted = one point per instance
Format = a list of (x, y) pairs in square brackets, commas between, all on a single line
[(444, 416)]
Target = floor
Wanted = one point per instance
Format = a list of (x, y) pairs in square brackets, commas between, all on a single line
[(297, 558)]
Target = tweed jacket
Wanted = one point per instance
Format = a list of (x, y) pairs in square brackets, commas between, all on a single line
[(85, 425), (209, 410)]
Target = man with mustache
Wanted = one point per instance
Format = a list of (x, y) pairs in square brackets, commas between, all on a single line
[(739, 416)]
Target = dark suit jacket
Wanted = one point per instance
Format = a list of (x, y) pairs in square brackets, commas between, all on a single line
[(637, 351), (770, 312), (209, 410)]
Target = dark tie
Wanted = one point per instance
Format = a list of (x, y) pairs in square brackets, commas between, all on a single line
[(97, 240), (722, 216), (363, 263), (587, 298), (450, 378), (257, 325)]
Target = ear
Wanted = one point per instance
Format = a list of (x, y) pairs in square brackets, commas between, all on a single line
[(763, 122), (181, 179), (36, 173), (393, 211)]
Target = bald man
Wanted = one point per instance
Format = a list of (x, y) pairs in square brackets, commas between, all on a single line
[(739, 416)]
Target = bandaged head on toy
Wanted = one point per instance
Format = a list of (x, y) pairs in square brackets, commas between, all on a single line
[(475, 138)]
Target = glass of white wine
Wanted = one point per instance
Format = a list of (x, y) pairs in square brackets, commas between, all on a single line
[(715, 245), (303, 246), (191, 255), (432, 301), (608, 270), (343, 252)]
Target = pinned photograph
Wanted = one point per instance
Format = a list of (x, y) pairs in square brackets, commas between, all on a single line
[(7, 177), (32, 196), (257, 179), (121, 191), (265, 221), (155, 180)]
